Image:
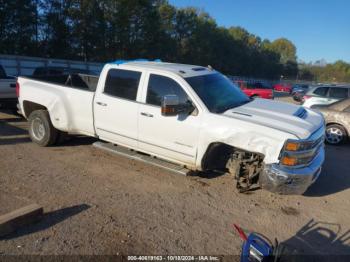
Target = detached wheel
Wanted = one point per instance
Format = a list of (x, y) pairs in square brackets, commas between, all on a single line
[(335, 134), (41, 130)]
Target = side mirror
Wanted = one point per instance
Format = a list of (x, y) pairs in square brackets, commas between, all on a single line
[(170, 105)]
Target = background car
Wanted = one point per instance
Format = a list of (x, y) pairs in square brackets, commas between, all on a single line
[(298, 91), (256, 89), (8, 98), (337, 118), (325, 95), (299, 87), (283, 87)]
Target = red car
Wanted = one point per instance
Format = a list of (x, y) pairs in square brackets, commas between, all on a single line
[(283, 87), (255, 89)]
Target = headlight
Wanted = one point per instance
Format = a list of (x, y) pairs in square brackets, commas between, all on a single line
[(292, 146), (294, 159), (299, 153), (295, 145)]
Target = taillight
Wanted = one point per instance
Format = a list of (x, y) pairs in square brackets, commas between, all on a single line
[(17, 89)]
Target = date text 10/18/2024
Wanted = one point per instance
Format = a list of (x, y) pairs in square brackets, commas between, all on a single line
[(173, 258)]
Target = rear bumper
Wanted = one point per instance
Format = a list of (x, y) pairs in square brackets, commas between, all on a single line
[(291, 181)]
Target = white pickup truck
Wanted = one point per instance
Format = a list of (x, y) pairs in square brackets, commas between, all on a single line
[(8, 98), (189, 115)]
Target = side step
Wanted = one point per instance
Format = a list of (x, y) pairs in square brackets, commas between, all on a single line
[(123, 151)]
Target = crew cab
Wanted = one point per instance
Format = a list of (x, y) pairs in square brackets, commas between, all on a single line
[(8, 98), (255, 89), (189, 115)]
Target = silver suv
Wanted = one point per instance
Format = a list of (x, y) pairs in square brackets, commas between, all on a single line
[(325, 95)]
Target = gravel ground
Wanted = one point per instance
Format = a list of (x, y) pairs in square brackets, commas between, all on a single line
[(98, 203)]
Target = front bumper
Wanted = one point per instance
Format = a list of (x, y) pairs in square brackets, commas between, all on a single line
[(291, 181)]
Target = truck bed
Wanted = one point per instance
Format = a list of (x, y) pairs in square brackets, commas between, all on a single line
[(68, 98), (80, 81)]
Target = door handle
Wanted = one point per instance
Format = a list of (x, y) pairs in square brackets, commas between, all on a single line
[(146, 114), (101, 104)]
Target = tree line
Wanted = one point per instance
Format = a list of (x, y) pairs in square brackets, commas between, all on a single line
[(339, 72), (105, 30)]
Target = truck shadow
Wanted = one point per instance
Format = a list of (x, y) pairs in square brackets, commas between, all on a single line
[(318, 238), (48, 220), (13, 131), (77, 141), (335, 176)]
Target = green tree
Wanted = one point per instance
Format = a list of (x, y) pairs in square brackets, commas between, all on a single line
[(285, 48), (18, 28), (55, 30)]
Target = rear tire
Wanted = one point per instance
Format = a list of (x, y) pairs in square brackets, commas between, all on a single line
[(335, 134), (41, 130)]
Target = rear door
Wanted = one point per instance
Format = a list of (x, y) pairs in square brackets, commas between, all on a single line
[(170, 137), (116, 107), (337, 93)]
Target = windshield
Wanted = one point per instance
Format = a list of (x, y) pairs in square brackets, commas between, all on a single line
[(217, 92)]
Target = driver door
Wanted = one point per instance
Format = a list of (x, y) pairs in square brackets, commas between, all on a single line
[(171, 137)]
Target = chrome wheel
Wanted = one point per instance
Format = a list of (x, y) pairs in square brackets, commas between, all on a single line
[(38, 129), (334, 135)]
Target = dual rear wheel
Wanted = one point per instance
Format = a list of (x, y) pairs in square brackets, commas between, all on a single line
[(41, 130)]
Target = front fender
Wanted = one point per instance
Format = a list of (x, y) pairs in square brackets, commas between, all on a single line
[(243, 135)]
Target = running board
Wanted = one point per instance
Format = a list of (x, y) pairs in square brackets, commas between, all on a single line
[(123, 151)]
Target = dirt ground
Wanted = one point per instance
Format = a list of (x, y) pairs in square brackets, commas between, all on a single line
[(99, 203)]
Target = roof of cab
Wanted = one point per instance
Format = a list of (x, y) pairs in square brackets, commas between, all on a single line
[(180, 69)]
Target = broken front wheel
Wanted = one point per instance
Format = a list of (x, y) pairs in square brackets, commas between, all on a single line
[(245, 167)]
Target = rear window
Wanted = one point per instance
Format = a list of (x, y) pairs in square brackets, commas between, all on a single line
[(258, 85), (122, 83), (321, 91), (338, 92)]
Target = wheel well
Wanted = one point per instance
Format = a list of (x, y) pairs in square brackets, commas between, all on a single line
[(29, 107), (217, 155)]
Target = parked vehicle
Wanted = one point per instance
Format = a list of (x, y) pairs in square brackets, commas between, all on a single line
[(8, 98), (299, 88), (256, 89), (283, 87), (325, 95), (337, 116), (189, 115), (298, 92)]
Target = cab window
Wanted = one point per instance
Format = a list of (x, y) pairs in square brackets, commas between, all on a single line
[(321, 91), (122, 83), (159, 86)]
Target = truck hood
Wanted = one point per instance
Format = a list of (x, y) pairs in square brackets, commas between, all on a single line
[(282, 116)]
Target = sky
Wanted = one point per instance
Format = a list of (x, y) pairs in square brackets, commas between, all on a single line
[(320, 29)]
